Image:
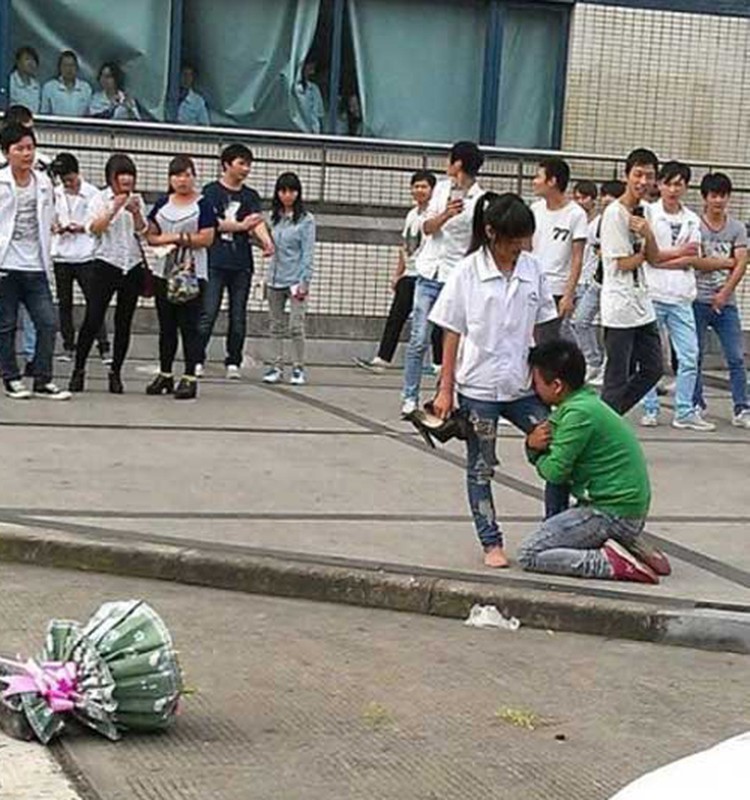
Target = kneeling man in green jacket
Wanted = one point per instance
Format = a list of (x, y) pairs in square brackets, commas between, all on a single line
[(587, 445)]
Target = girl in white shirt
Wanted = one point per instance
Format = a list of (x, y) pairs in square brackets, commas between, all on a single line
[(116, 219)]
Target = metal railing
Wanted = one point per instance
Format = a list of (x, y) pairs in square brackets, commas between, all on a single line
[(341, 175)]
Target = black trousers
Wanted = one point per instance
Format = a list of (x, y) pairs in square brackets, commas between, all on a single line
[(634, 365), (401, 306), (66, 273), (178, 320), (106, 281)]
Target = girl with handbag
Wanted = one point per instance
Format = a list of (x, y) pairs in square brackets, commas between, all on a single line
[(288, 276), (115, 217), (183, 223)]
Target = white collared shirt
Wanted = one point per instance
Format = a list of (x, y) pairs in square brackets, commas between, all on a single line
[(8, 211), (73, 248), (117, 244), (61, 101), (25, 94), (446, 248), (495, 316), (673, 286)]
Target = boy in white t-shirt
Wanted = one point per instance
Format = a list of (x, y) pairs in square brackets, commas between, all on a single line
[(448, 228), (672, 288), (631, 335), (491, 305), (560, 237), (405, 278)]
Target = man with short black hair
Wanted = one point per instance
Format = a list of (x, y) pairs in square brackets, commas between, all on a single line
[(560, 237), (26, 212), (720, 268), (448, 226), (631, 336), (230, 257), (587, 445), (405, 278), (672, 289)]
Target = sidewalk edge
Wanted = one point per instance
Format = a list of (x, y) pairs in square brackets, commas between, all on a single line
[(713, 629)]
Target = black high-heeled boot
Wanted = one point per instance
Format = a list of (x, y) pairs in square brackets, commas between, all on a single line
[(115, 383), (161, 384), (77, 381)]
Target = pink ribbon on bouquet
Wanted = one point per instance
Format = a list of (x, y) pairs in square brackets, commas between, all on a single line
[(54, 681)]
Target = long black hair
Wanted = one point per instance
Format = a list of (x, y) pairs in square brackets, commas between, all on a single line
[(506, 214), (287, 180)]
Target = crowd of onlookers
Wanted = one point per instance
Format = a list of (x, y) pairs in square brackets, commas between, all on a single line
[(67, 94), (189, 249)]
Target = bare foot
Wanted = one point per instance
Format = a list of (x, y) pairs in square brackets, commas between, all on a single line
[(495, 557)]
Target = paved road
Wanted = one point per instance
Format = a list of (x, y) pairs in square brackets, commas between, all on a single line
[(329, 472), (307, 701)]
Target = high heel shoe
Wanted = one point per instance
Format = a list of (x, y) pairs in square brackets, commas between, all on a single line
[(161, 384), (77, 381), (115, 383)]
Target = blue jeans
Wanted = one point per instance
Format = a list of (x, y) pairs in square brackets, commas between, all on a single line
[(237, 283), (31, 291), (726, 324), (28, 336), (425, 294), (481, 459), (679, 321), (570, 543), (584, 325)]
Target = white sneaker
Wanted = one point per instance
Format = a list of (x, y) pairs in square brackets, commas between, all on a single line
[(299, 377), (16, 390), (66, 356), (52, 392), (742, 420), (233, 373), (649, 420), (376, 365), (594, 376), (199, 370), (408, 407), (273, 375), (693, 422)]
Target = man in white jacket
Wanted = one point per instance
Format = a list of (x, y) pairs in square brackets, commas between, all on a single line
[(26, 212), (672, 289)]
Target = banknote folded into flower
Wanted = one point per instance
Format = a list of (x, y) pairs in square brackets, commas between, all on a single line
[(117, 672)]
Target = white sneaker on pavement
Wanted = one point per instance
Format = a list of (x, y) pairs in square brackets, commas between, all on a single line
[(50, 391), (16, 390), (742, 419), (233, 373), (649, 420), (693, 422), (377, 365), (199, 371), (408, 407)]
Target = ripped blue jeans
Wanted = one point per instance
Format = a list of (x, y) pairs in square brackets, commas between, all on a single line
[(481, 459)]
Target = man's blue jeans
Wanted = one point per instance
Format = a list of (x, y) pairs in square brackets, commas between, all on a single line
[(30, 290), (425, 295), (570, 543), (727, 325), (679, 321), (481, 459), (237, 283), (28, 335), (584, 325)]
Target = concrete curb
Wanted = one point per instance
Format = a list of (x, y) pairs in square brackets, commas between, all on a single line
[(676, 624)]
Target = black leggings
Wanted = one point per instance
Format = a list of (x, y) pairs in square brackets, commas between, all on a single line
[(174, 319), (401, 306), (105, 281)]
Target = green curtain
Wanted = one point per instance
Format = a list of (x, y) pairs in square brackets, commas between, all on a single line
[(531, 50), (135, 33), (249, 57), (419, 67)]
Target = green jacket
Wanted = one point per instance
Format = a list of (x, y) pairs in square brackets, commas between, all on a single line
[(596, 451)]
